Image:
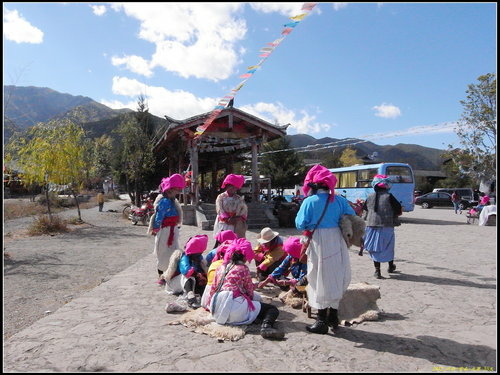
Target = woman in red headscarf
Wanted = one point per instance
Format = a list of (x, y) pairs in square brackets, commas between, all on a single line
[(328, 265), (231, 208)]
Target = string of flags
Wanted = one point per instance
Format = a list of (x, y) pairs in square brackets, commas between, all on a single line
[(265, 52)]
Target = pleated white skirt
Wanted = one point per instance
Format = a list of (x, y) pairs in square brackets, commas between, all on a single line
[(328, 268)]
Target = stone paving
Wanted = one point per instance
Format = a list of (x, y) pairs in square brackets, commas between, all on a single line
[(438, 315)]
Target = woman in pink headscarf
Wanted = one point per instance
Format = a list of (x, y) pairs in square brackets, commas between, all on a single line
[(328, 265), (165, 223), (231, 208)]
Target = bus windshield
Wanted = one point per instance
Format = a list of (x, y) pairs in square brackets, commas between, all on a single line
[(355, 182)]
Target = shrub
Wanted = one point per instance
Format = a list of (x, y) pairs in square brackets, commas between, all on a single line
[(43, 225)]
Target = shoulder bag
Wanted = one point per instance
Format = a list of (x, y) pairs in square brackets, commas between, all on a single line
[(309, 234)]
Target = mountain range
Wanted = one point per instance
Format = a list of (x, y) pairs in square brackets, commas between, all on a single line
[(24, 107)]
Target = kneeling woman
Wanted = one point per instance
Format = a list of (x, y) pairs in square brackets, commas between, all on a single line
[(232, 299), (190, 275)]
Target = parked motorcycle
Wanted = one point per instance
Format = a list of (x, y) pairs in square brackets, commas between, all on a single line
[(142, 214)]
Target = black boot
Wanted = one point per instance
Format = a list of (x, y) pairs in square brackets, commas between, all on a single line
[(333, 319), (377, 273), (392, 267), (269, 332), (321, 325)]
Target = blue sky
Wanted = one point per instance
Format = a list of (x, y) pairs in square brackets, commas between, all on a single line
[(385, 72)]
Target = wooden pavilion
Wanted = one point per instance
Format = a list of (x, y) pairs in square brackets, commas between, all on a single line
[(229, 139)]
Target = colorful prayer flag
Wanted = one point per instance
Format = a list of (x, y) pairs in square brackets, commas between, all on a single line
[(300, 17), (308, 6)]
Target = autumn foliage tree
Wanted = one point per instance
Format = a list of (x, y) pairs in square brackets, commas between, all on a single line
[(52, 153)]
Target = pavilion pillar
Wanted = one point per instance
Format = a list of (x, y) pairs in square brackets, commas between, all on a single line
[(255, 174), (194, 165), (214, 186)]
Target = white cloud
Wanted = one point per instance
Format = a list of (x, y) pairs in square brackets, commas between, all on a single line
[(177, 104), (286, 9), (133, 63), (300, 123), (17, 29), (338, 6), (192, 40), (98, 10), (180, 104), (387, 111)]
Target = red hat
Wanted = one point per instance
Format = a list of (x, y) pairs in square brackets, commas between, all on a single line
[(196, 244)]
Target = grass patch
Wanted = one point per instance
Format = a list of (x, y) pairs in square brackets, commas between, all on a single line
[(43, 225)]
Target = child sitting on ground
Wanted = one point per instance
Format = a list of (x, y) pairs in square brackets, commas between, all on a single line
[(269, 253), (190, 276), (289, 265)]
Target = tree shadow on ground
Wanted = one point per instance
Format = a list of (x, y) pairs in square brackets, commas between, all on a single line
[(412, 220), (460, 272), (11, 265), (434, 349), (440, 281)]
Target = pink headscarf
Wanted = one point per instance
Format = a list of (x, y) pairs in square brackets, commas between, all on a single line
[(319, 174), (196, 244), (241, 245), (174, 181), (225, 235), (236, 180), (484, 200), (382, 181), (221, 250), (293, 246)]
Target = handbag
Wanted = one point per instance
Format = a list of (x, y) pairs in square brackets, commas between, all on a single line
[(305, 245)]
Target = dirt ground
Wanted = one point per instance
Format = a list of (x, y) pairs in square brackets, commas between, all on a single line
[(438, 312), (42, 273)]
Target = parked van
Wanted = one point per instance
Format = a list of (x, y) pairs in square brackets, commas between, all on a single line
[(463, 193)]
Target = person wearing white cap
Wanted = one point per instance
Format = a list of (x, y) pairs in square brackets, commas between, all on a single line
[(269, 252)]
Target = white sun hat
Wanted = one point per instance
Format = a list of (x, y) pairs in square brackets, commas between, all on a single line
[(266, 235)]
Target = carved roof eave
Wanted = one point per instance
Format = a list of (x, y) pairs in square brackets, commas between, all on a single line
[(175, 126)]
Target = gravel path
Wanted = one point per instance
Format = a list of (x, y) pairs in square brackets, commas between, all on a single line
[(42, 273)]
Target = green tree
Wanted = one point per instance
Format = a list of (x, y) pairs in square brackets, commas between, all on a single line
[(102, 156), (331, 159), (285, 168), (476, 131), (137, 157), (349, 157), (52, 153)]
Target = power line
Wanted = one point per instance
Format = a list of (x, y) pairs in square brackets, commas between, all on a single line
[(368, 138)]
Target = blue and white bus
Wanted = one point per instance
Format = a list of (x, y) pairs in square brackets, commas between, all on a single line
[(355, 182)]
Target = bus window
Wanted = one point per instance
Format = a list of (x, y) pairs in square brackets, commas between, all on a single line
[(365, 177), (399, 174), (346, 179)]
